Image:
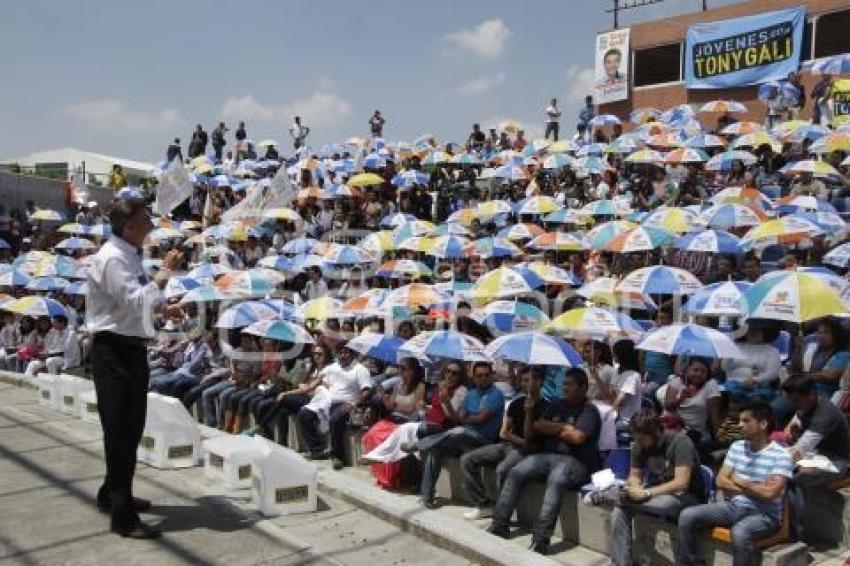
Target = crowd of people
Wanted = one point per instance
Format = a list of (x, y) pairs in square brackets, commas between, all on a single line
[(530, 306)]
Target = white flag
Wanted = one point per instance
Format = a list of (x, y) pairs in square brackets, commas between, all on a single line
[(174, 187), (358, 159)]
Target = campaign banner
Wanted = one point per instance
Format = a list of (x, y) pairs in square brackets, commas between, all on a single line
[(611, 77), (744, 51), (840, 102), (262, 196), (174, 187)]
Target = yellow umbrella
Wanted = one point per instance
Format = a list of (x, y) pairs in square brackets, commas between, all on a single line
[(365, 180)]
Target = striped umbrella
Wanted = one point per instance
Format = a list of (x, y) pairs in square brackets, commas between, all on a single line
[(397, 268), (537, 205), (486, 248), (208, 271), (834, 65), (603, 290), (244, 314), (604, 120), (452, 229), (557, 241), (703, 141), (14, 278), (756, 140), (793, 297), (302, 245), (36, 306), (449, 247), (839, 256), (258, 281), (534, 349), (596, 323), (557, 161), (838, 141), (512, 172), (731, 215), (747, 196), (46, 284), (347, 255), (204, 294), (47, 215), (413, 228), (381, 347), (594, 149), (690, 340), (501, 317), (75, 244), (505, 282), (77, 288), (396, 220), (599, 236), (709, 241), (322, 308), (410, 178), (723, 107), (493, 208), (815, 167), (378, 243), (414, 296), (443, 344), (784, 230), (520, 231), (831, 223), (642, 238), (645, 156), (282, 213), (641, 115), (370, 303), (567, 216), (73, 228), (464, 216), (551, 274), (723, 161), (725, 298), (278, 262), (686, 155), (604, 207), (282, 330), (672, 219), (742, 128), (179, 286), (660, 280)]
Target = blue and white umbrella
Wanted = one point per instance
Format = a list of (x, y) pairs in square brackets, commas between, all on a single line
[(74, 244), (410, 178), (659, 280), (444, 344), (277, 329), (208, 271), (14, 278), (347, 255), (509, 316), (835, 65), (179, 286), (709, 241), (284, 309), (838, 256), (788, 94), (374, 161), (725, 298), (205, 294), (381, 347), (245, 314), (449, 247), (302, 262), (279, 262), (604, 120), (395, 220), (302, 245), (511, 172), (47, 284), (534, 349), (691, 340), (77, 288)]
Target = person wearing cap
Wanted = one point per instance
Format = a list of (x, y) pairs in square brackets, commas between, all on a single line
[(120, 304)]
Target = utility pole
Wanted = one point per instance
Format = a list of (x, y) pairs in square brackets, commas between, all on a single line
[(620, 5)]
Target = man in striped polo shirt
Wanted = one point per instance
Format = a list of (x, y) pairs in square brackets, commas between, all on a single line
[(753, 480)]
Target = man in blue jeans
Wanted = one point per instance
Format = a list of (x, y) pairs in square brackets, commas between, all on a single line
[(569, 432), (480, 420), (753, 478)]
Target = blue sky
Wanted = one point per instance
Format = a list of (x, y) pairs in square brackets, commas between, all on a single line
[(123, 77)]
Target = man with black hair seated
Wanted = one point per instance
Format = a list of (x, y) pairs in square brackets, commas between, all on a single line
[(569, 434), (753, 478)]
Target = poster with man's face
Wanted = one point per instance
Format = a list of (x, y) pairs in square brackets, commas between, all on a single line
[(612, 66)]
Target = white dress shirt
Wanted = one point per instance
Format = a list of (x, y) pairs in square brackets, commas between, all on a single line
[(121, 298), (552, 114)]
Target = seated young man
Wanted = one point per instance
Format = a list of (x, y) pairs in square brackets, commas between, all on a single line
[(753, 480), (517, 425), (569, 431), (194, 364), (818, 428), (479, 419), (664, 479), (61, 349)]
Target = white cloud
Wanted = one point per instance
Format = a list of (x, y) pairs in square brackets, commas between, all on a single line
[(486, 39), (480, 85), (579, 83), (326, 83), (113, 114), (320, 109)]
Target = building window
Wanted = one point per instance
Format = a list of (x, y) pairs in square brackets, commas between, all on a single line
[(660, 64), (806, 52), (831, 37)]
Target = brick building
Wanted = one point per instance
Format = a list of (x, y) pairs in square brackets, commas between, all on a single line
[(657, 55)]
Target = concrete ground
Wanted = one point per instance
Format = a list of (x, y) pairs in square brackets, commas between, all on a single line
[(51, 466)]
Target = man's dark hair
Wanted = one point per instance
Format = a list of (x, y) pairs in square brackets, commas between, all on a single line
[(123, 210), (613, 51), (645, 421), (761, 411), (61, 318), (578, 375), (800, 384), (477, 365)]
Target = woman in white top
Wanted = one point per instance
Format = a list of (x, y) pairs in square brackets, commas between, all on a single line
[(695, 399), (624, 391), (757, 373)]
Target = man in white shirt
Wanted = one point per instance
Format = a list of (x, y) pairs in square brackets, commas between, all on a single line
[(120, 302), (61, 349), (553, 115), (299, 132), (347, 383), (316, 287)]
